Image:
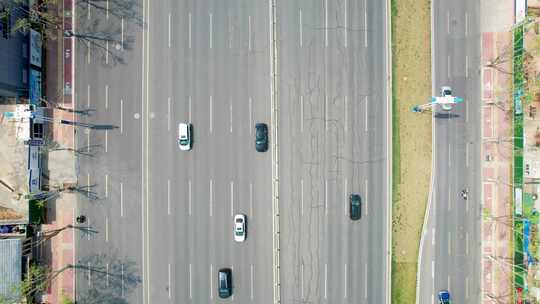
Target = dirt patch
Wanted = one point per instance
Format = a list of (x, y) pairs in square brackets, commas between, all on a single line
[(9, 214), (411, 55)]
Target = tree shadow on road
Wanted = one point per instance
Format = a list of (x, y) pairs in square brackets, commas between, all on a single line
[(446, 115)]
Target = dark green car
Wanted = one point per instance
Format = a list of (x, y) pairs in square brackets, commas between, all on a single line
[(355, 202), (225, 283)]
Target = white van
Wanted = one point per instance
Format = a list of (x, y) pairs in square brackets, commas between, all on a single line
[(184, 136)]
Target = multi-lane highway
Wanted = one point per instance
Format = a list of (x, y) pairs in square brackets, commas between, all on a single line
[(165, 216), (450, 255), (333, 113)]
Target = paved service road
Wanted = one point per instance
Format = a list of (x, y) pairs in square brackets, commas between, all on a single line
[(332, 142), (113, 91), (451, 247)]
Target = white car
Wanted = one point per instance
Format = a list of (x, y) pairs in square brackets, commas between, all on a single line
[(184, 136), (239, 227), (446, 91)]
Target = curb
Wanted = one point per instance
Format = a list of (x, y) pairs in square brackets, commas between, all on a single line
[(389, 148), (432, 178)]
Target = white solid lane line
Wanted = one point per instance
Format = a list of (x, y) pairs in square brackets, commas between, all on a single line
[(122, 34), (466, 24), (230, 117), (326, 112), (449, 198), (106, 185), (107, 274), (251, 282), (302, 281), (169, 30), (366, 119), (211, 284), (107, 52), (300, 26), (345, 24), (122, 279), (106, 141), (89, 274), (106, 229), (466, 66), (366, 195), (249, 33), (88, 131), (190, 295), (345, 280), (169, 287), (326, 196), (106, 9), (326, 23), (467, 243), (365, 26), (87, 184), (106, 96), (325, 280), (432, 269), (449, 243), (88, 96), (432, 236), (189, 30), (88, 52), (211, 30), (448, 22), (88, 227)]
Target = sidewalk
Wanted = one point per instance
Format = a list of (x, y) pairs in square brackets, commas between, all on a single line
[(496, 155), (61, 166)]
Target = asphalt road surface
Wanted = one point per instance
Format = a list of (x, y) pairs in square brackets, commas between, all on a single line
[(164, 217), (332, 142), (451, 247)]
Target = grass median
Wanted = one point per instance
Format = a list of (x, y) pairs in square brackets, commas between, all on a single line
[(411, 142)]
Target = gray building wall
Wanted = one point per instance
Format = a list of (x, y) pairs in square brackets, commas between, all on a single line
[(14, 55), (10, 268)]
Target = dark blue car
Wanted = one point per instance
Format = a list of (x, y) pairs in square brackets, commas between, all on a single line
[(444, 297)]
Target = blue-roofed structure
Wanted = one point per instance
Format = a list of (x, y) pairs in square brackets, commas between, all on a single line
[(10, 268)]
